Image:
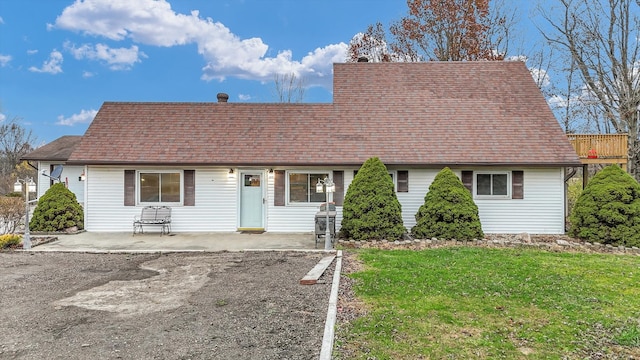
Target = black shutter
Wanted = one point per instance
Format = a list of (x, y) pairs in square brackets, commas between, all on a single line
[(278, 188), (403, 181), (189, 188), (338, 195), (129, 188), (517, 184), (467, 180)]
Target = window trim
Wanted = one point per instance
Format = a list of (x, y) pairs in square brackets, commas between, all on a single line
[(287, 185), (492, 197), (159, 203)]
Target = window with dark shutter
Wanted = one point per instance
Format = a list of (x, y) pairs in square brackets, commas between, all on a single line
[(338, 195), (467, 180), (189, 188), (129, 188), (278, 188), (403, 181), (517, 184)]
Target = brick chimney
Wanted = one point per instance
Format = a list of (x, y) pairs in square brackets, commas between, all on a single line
[(222, 97)]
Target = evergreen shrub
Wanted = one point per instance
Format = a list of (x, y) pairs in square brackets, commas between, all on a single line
[(448, 211), (608, 210), (57, 210), (371, 208)]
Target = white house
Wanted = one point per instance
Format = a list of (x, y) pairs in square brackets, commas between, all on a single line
[(233, 166), (52, 155)]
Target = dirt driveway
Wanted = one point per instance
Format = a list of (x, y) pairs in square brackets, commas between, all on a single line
[(172, 306)]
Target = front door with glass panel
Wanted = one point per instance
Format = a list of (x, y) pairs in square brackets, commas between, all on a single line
[(251, 200)]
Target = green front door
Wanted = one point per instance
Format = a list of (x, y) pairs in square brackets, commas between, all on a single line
[(251, 200)]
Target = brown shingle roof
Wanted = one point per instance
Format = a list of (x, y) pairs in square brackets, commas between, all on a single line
[(482, 113), (58, 150)]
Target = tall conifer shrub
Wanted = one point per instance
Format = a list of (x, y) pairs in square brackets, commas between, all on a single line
[(371, 208), (58, 209), (448, 211), (608, 210)]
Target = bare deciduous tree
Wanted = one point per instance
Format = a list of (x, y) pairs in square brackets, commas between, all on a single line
[(289, 88), (445, 30), (452, 30), (15, 142), (371, 44), (602, 38)]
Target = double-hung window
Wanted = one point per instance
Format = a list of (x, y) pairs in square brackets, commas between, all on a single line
[(494, 184), (302, 187), (159, 187)]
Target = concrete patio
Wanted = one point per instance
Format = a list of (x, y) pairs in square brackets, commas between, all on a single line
[(179, 242)]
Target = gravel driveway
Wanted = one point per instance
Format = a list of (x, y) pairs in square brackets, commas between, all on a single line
[(172, 306)]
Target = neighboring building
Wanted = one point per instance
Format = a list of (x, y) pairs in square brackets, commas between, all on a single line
[(232, 166), (53, 154)]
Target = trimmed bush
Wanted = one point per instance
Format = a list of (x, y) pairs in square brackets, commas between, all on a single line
[(371, 208), (57, 210), (448, 211), (9, 240), (608, 210)]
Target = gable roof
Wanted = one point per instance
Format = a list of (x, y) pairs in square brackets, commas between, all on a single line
[(58, 150), (412, 114)]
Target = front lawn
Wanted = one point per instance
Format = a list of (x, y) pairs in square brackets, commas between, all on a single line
[(478, 303)]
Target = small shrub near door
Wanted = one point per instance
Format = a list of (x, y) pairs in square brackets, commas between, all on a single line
[(448, 211), (371, 208), (57, 210), (608, 210)]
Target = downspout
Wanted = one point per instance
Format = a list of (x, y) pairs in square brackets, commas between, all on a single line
[(33, 166), (568, 175)]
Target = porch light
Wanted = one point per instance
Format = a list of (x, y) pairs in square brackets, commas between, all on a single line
[(82, 176), (319, 188), (231, 173)]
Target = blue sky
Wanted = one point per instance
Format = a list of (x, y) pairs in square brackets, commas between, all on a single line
[(60, 60)]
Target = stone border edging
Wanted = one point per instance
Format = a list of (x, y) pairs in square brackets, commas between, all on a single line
[(557, 245)]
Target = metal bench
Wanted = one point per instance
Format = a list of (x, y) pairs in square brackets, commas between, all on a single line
[(153, 216)]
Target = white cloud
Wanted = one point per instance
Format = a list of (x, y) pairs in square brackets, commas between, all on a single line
[(153, 22), (4, 60), (541, 77), (3, 117), (51, 66), (244, 97), (1, 20), (32, 52), (556, 102), (522, 58), (87, 74), (85, 116), (117, 59)]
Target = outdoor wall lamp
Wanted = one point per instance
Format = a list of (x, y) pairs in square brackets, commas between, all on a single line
[(29, 187), (82, 176)]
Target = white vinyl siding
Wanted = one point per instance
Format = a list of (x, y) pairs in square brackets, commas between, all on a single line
[(216, 196), (541, 211), (299, 217), (70, 175), (215, 208)]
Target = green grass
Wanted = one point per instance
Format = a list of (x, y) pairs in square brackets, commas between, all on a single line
[(477, 303)]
